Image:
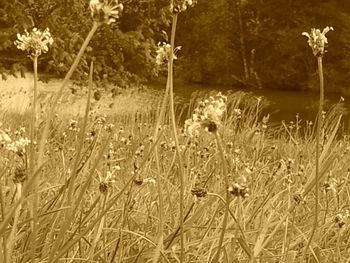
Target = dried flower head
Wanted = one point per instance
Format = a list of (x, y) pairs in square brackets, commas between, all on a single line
[(163, 53), (317, 40), (105, 11), (35, 42), (106, 182), (239, 190), (178, 6), (207, 115), (20, 175), (199, 192)]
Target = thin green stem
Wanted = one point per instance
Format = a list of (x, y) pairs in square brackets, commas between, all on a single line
[(174, 128), (32, 160), (71, 211), (318, 139), (228, 195), (80, 145), (159, 178), (60, 92)]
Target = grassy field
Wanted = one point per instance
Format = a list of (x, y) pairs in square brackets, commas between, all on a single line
[(124, 203)]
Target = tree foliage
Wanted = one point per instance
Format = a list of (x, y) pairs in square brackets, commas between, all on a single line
[(250, 42), (122, 52), (274, 49)]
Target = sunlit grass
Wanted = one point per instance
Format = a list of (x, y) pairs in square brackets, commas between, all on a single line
[(271, 223)]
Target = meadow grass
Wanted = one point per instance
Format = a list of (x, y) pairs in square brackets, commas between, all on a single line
[(122, 179), (113, 213)]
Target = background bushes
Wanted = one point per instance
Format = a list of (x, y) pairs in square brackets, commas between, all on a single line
[(215, 37)]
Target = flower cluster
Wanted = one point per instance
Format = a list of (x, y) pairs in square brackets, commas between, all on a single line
[(207, 115), (107, 181), (105, 11), (341, 218), (18, 146), (239, 190), (35, 42), (317, 40), (178, 6), (163, 53)]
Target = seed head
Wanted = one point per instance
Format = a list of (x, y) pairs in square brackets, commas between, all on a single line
[(35, 42), (317, 40), (105, 11)]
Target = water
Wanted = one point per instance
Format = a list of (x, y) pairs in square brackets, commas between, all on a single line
[(282, 104)]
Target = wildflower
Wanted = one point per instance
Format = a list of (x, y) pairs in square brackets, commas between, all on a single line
[(163, 53), (35, 42), (341, 218), (105, 11), (199, 192), (4, 138), (317, 40), (150, 181), (20, 175), (330, 185), (101, 120), (181, 5), (237, 189), (18, 146), (73, 125), (207, 115), (106, 182), (109, 127)]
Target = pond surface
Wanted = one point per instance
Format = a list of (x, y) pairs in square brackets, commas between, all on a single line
[(282, 104)]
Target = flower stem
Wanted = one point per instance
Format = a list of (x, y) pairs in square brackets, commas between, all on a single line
[(59, 94), (228, 195), (318, 135), (176, 139), (32, 159)]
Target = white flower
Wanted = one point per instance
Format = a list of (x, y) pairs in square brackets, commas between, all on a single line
[(163, 53), (317, 40), (34, 42), (207, 115), (19, 145), (181, 5), (4, 138), (105, 11)]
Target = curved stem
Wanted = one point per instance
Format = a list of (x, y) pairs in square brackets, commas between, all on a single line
[(59, 94), (228, 195), (176, 139)]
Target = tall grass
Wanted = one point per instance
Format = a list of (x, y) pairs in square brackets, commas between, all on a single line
[(134, 187)]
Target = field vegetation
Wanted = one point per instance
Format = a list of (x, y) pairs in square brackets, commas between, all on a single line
[(123, 178)]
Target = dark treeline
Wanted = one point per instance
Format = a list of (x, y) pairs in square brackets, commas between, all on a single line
[(228, 42)]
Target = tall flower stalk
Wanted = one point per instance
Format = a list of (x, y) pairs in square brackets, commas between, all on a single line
[(318, 42), (166, 54), (102, 12), (176, 139), (208, 116), (34, 43)]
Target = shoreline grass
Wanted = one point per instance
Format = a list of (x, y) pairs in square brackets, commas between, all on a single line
[(276, 162)]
